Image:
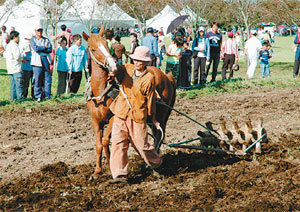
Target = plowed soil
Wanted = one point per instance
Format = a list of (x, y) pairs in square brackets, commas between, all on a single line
[(48, 154)]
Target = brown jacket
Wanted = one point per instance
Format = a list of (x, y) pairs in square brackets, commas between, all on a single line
[(141, 95)]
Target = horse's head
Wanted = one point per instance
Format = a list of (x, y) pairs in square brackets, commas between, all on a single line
[(99, 50)]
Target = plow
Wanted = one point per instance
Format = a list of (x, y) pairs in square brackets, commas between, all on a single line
[(238, 138)]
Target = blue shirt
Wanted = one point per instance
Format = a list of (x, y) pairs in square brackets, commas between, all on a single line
[(264, 56), (151, 42), (61, 54), (26, 66), (76, 58)]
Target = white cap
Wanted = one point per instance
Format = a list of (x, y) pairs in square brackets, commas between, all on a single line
[(253, 32), (39, 26), (201, 29)]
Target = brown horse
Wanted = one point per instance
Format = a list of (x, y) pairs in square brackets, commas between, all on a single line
[(102, 64)]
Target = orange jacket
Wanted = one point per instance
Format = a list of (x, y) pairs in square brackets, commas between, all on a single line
[(140, 93)]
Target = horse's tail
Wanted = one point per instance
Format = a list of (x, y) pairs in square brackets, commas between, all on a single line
[(172, 80)]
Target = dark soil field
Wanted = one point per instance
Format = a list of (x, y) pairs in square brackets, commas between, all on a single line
[(48, 154)]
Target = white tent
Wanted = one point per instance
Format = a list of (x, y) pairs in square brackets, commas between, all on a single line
[(24, 18), (192, 15), (85, 14), (90, 12), (116, 14), (162, 19)]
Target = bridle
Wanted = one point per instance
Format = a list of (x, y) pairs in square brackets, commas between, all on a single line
[(105, 64)]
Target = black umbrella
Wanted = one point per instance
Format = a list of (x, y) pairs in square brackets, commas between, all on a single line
[(176, 23)]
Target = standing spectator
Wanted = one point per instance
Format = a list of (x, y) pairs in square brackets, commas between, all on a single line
[(13, 63), (201, 52), (185, 67), (62, 66), (26, 67), (174, 54), (119, 50), (252, 48), (134, 43), (77, 61), (40, 61), (215, 41), (297, 55), (65, 34), (266, 37), (264, 56), (229, 55), (238, 40), (151, 42), (162, 51), (109, 35), (1, 44), (5, 37)]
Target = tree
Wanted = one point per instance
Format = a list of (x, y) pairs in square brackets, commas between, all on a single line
[(282, 11), (141, 10), (53, 11), (7, 8), (246, 12)]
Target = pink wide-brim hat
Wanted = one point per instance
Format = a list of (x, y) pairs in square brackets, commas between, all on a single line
[(141, 53)]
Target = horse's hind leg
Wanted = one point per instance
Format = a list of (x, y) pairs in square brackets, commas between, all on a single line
[(99, 147), (106, 138)]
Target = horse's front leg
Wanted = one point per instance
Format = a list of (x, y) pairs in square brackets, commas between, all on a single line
[(106, 139), (99, 147)]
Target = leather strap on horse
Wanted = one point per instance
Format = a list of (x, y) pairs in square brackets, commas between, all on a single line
[(104, 65)]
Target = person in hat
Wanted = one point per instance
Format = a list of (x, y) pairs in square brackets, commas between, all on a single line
[(151, 42), (252, 48), (201, 53), (27, 67), (40, 61), (131, 110), (229, 54)]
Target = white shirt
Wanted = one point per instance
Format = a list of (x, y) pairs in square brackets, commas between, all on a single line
[(201, 46), (13, 58), (253, 46)]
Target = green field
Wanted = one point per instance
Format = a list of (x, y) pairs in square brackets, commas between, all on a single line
[(281, 76)]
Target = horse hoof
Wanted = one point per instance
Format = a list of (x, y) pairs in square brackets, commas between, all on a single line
[(94, 177)]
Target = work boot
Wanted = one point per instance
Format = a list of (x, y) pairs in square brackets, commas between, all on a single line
[(119, 180)]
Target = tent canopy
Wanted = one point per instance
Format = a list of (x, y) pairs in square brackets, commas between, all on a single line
[(193, 16), (162, 19)]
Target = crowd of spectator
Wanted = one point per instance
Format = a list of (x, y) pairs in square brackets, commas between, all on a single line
[(31, 66)]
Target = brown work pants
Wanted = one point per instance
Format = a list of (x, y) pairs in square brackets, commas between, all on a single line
[(228, 61), (124, 132)]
